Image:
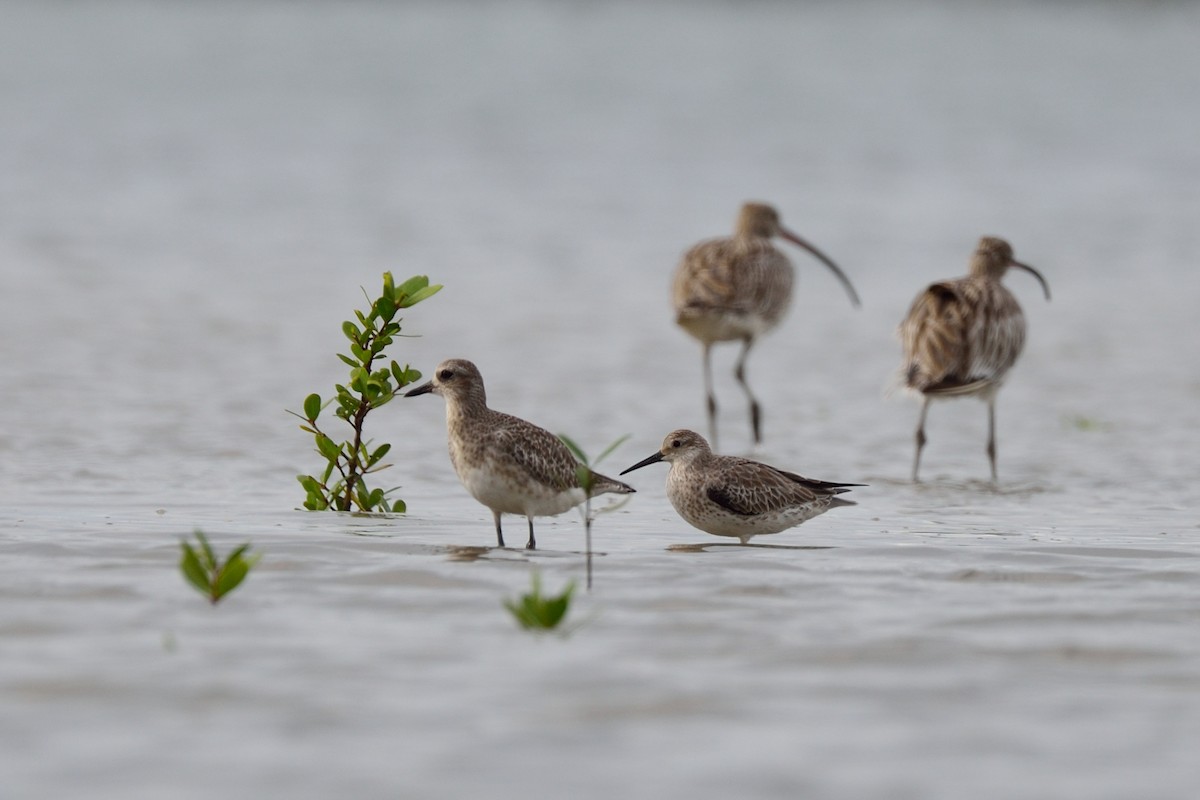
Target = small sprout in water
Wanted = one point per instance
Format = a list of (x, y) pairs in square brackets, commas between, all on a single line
[(213, 578), (587, 481), (537, 612)]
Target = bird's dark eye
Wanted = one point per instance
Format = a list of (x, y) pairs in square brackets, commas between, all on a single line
[(674, 443), (445, 375)]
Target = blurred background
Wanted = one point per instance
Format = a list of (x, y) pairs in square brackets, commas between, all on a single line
[(194, 193)]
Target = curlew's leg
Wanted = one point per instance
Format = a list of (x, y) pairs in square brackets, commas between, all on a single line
[(740, 373), (920, 438), (991, 445), (531, 544), (499, 533), (710, 395)]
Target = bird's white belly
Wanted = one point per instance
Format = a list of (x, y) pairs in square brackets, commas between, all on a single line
[(511, 494), (722, 523)]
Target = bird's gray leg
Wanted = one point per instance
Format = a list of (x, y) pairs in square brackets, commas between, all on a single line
[(740, 373), (710, 395), (991, 445), (499, 533), (920, 438), (531, 544)]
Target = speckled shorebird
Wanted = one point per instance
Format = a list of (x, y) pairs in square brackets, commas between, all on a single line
[(731, 496), (510, 465), (962, 336), (737, 288)]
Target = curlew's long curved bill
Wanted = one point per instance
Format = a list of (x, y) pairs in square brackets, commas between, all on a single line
[(1036, 274), (826, 260), (645, 462)]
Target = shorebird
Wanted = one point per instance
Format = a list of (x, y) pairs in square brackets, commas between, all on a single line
[(737, 288), (962, 336), (731, 496), (510, 465)]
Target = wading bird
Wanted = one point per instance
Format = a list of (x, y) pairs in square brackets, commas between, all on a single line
[(962, 336), (737, 288), (510, 465), (731, 496)]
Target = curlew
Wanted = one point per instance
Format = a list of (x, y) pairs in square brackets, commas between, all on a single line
[(962, 336), (507, 464), (731, 496), (737, 288)]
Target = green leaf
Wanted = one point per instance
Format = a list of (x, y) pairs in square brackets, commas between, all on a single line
[(352, 331), (413, 284), (385, 307), (419, 295), (312, 406), (379, 453), (231, 574), (535, 612), (389, 286), (554, 610), (207, 557), (237, 552), (192, 569), (328, 449), (399, 507), (400, 374), (347, 360)]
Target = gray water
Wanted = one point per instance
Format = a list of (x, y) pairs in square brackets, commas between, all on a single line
[(192, 195)]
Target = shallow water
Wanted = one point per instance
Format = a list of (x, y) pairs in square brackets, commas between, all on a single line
[(193, 196)]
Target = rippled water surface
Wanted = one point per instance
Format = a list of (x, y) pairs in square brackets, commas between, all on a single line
[(192, 196)]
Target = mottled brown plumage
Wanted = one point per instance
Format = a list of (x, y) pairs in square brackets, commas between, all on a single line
[(510, 465), (961, 337), (736, 289), (731, 496)]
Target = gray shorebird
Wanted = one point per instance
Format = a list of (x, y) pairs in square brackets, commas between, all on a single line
[(731, 496), (510, 465), (962, 336), (737, 288)]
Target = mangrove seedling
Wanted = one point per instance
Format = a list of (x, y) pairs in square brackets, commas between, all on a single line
[(342, 485), (585, 473), (211, 576), (537, 612)]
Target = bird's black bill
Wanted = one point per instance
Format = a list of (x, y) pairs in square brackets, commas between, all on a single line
[(654, 459), (1036, 274), (424, 388), (827, 261)]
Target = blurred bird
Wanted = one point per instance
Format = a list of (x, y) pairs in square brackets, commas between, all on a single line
[(736, 289), (962, 336)]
